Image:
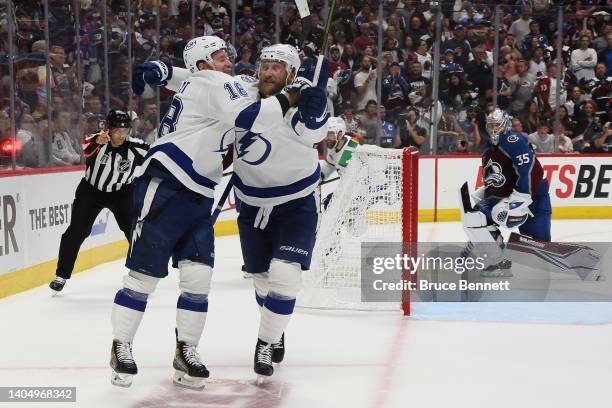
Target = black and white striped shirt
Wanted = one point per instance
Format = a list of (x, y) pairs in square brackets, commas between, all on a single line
[(111, 168)]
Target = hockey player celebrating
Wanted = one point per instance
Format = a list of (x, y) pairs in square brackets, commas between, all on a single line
[(340, 148), (514, 195), (174, 196), (276, 173)]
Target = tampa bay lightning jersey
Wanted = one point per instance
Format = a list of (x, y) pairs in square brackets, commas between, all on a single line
[(196, 132), (511, 165), (278, 164)]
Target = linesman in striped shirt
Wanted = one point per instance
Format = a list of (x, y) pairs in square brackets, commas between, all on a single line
[(110, 158)]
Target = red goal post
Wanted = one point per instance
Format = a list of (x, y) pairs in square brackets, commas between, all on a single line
[(375, 200)]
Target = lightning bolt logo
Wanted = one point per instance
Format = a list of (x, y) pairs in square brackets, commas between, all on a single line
[(247, 141)]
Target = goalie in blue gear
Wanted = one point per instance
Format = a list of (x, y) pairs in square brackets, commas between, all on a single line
[(514, 194)]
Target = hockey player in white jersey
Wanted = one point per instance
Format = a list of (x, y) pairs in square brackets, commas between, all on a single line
[(276, 176), (174, 196), (340, 149)]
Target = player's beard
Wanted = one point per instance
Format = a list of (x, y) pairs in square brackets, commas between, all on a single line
[(269, 87)]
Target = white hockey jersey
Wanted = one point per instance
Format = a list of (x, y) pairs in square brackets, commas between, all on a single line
[(274, 162), (279, 164), (198, 128), (337, 160)]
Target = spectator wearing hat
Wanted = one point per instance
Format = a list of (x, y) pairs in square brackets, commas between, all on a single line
[(459, 44), (293, 35), (335, 62), (584, 59), (409, 133), (520, 27)]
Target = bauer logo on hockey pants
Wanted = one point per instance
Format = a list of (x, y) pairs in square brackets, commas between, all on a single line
[(294, 249)]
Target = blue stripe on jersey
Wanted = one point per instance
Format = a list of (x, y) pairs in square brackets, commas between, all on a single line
[(247, 117), (294, 121), (184, 162), (270, 192)]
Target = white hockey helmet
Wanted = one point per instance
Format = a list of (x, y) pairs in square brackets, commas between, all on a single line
[(282, 53), (498, 122), (202, 49), (336, 124)]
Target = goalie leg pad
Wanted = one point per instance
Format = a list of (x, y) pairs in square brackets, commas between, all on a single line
[(284, 282), (192, 304)]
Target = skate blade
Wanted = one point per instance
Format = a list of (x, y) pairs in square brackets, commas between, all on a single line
[(261, 379), (184, 380), (55, 293), (122, 379)]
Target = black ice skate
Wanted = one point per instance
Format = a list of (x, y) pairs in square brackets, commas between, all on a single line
[(263, 360), (57, 285), (123, 364), (499, 270), (190, 372), (278, 350)]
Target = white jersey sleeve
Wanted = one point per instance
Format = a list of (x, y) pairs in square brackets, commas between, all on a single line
[(178, 76), (305, 135), (327, 169)]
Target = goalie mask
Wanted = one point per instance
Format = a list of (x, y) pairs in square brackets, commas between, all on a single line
[(498, 122), (336, 128), (202, 49), (285, 53)]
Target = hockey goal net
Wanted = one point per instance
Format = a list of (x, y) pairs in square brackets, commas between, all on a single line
[(375, 200)]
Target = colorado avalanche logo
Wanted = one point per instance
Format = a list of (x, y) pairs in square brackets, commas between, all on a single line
[(493, 175), (252, 148), (513, 138)]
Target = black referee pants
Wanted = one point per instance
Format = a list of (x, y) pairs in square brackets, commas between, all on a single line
[(87, 204)]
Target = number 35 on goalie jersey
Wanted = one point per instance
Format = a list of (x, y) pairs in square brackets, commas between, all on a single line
[(511, 165), (198, 127)]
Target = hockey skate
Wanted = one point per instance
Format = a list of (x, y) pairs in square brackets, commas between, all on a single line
[(263, 360), (123, 364), (189, 370), (278, 350), (499, 270), (57, 285)]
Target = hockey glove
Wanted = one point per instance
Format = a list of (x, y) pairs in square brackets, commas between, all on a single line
[(305, 76), (512, 211), (155, 73), (313, 108)]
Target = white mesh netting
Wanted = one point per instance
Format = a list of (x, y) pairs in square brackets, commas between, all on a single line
[(366, 207)]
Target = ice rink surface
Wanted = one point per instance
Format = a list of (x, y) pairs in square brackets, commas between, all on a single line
[(446, 355)]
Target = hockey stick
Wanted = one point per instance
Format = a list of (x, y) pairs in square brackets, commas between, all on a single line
[(304, 12), (330, 14), (224, 196)]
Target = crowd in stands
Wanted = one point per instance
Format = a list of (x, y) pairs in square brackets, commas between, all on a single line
[(527, 82)]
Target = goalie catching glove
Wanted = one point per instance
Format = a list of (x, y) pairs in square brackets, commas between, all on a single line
[(512, 211), (154, 73)]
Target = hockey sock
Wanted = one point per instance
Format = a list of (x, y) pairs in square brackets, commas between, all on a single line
[(191, 311), (275, 315), (128, 309)]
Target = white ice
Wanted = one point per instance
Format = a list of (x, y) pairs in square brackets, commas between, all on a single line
[(447, 355)]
